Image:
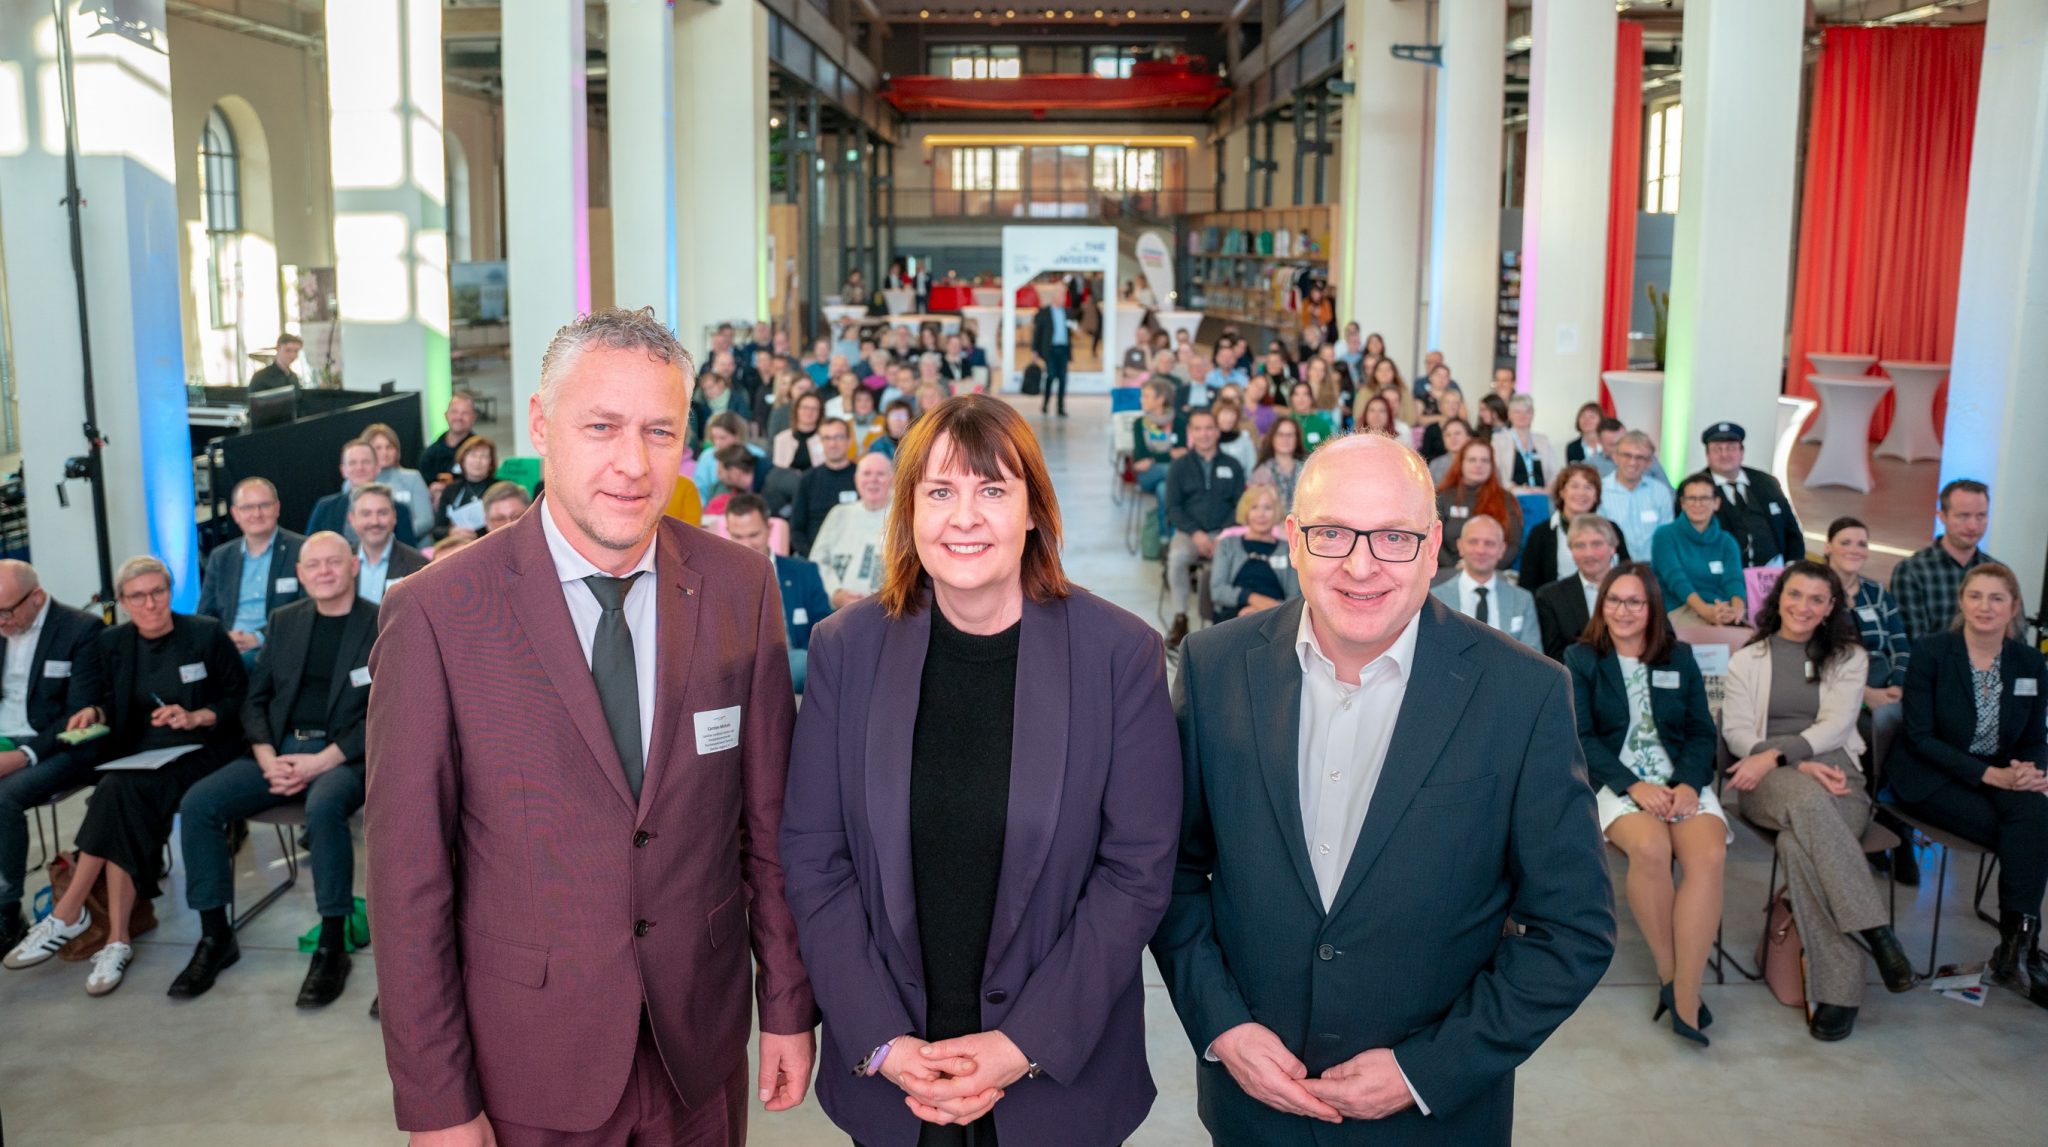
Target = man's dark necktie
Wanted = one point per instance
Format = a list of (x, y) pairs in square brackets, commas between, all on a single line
[(612, 668), (1479, 612)]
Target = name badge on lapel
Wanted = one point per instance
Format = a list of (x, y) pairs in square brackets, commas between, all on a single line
[(1664, 679), (2026, 686), (1461, 511), (1776, 509), (1867, 613), (1812, 672), (193, 672), (359, 676), (287, 585), (56, 669), (799, 616), (1648, 517), (1225, 472), (1515, 624), (1713, 567), (717, 729), (1278, 560), (847, 497)]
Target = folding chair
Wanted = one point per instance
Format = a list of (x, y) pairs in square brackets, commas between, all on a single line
[(1947, 842), (47, 847), (285, 818)]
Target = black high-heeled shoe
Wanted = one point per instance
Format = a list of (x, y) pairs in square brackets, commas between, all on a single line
[(1666, 1002)]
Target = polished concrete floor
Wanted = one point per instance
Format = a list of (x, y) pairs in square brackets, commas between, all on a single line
[(243, 1067)]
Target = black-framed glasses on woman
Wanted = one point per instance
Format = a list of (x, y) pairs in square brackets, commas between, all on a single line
[(1385, 545), (137, 597)]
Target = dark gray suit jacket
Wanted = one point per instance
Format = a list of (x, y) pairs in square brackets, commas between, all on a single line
[(281, 665), (63, 677), (1482, 813), (221, 582)]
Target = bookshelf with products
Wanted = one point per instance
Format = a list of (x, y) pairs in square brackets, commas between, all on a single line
[(1507, 333), (1243, 265)]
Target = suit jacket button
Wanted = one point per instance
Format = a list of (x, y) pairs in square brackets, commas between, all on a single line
[(641, 838), (997, 996), (1326, 952), (641, 927)]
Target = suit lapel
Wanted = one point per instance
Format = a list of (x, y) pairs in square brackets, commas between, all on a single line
[(357, 635), (891, 728), (1038, 764), (286, 634), (1578, 613), (1440, 683), (1274, 669), (675, 641), (536, 596)]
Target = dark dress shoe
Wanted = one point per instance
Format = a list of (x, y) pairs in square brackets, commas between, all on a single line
[(1178, 632), (1905, 866), (1892, 962), (374, 1013), (13, 926), (325, 979), (214, 954), (1832, 1022), (2011, 961)]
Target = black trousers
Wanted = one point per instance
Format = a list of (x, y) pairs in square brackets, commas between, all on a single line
[(2013, 825), (1055, 376)]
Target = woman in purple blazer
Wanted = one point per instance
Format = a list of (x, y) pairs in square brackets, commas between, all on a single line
[(982, 816)]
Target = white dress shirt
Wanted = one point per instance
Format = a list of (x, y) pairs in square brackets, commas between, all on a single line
[(14, 684), (1592, 589), (1468, 598), (572, 567)]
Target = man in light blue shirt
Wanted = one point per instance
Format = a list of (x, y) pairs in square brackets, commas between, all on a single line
[(247, 579), (1052, 344), (373, 514), (1629, 498)]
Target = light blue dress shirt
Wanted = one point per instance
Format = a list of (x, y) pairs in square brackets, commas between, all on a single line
[(253, 596), (371, 581)]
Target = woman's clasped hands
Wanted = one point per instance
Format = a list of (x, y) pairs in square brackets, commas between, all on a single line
[(955, 1080)]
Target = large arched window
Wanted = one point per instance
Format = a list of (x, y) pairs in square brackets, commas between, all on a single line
[(220, 206)]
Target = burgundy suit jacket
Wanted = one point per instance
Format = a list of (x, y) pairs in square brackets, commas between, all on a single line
[(526, 909)]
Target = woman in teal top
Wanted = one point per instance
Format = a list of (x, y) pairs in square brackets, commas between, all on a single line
[(1698, 564), (1315, 425)]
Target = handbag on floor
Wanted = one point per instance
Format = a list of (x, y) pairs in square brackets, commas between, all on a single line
[(1781, 955), (141, 918), (1034, 379)]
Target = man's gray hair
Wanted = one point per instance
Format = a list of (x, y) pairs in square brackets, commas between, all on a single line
[(614, 328), (372, 490), (1593, 524), (140, 566), (1637, 438)]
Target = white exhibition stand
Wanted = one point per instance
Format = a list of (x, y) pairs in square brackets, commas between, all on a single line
[(1174, 322), (1844, 458), (1834, 364), (1029, 252)]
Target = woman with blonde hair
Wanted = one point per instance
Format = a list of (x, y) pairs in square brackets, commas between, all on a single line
[(1251, 572), (408, 489)]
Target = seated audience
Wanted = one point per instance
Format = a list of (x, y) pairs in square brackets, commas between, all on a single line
[(1450, 437), (331, 512), (896, 420), (1158, 436), (1503, 385), (1788, 713), (461, 505), (1586, 446), (384, 559), (503, 503), (1470, 489), (1479, 593), (1375, 415), (1231, 436), (780, 412), (1200, 500), (1754, 509), (52, 670), (1971, 759), (1698, 564), (1884, 638), (1492, 416), (825, 486), (408, 489), (437, 458), (1316, 427), (1258, 398), (1649, 741), (169, 682), (1632, 499), (304, 720), (1525, 458), (798, 448), (739, 472), (804, 601), (849, 546), (1280, 459), (1565, 606), (1546, 552), (1252, 572), (1927, 583), (248, 579), (717, 395), (723, 430)]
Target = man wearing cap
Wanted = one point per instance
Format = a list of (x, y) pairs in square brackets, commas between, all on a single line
[(1754, 508)]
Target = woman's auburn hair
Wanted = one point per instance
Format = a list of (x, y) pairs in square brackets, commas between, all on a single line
[(989, 439)]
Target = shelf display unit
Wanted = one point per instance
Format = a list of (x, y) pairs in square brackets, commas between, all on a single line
[(1242, 266), (1507, 332)]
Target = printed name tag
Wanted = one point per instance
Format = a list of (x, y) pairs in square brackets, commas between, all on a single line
[(287, 585), (1225, 472), (1775, 508), (56, 669), (1663, 678), (1515, 624), (799, 616), (1461, 511), (1314, 437), (1867, 613), (717, 729), (1649, 516), (1713, 567), (1812, 674), (193, 672), (2026, 686), (1278, 559), (402, 497), (359, 676), (846, 497)]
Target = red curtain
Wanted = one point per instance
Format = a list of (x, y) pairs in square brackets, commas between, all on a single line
[(1624, 185), (1887, 175)]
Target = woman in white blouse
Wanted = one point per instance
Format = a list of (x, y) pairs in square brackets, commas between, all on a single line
[(1525, 458)]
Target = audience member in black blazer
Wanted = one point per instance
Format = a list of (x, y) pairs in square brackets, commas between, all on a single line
[(56, 676), (1649, 740), (172, 681), (358, 468), (254, 507), (1546, 553), (1565, 606), (1970, 759), (305, 724)]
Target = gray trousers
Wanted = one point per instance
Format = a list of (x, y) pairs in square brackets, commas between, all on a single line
[(1833, 894), (1181, 558)]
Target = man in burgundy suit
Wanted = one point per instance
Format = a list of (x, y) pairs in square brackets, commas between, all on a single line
[(579, 731)]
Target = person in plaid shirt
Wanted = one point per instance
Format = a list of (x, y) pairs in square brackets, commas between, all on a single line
[(1928, 583)]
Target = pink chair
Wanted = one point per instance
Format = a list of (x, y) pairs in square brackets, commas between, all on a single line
[(1757, 583)]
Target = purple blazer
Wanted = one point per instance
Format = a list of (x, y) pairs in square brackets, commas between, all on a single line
[(1087, 865)]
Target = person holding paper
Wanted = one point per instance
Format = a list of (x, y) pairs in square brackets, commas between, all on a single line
[(171, 697), (578, 736), (51, 670), (461, 508), (304, 721)]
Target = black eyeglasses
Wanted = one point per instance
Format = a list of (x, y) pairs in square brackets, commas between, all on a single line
[(7, 613), (1385, 545)]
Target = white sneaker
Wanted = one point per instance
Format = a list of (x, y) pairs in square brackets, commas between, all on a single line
[(109, 965), (46, 939)]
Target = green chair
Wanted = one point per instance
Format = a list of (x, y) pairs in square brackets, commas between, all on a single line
[(525, 471)]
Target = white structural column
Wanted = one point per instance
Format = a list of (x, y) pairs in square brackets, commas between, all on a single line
[(1995, 397), (1730, 277), (640, 40), (547, 182), (1384, 149), (1464, 233), (721, 166), (126, 176), (1564, 211), (390, 198)]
